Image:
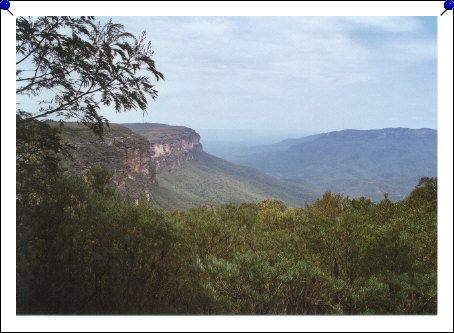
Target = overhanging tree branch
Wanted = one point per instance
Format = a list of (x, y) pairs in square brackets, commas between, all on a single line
[(106, 59)]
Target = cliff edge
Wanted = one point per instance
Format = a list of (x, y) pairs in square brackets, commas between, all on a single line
[(134, 153)]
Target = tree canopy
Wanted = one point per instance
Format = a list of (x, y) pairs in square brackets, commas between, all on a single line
[(82, 249), (73, 65)]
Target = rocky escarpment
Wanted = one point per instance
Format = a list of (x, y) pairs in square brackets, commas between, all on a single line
[(170, 154), (134, 155), (169, 146), (121, 151)]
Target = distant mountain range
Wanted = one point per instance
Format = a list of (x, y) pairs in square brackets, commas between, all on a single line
[(353, 162)]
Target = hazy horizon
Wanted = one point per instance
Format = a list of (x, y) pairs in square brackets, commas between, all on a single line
[(214, 139), (255, 136), (299, 74)]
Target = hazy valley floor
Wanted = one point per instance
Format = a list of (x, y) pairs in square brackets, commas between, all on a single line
[(210, 179)]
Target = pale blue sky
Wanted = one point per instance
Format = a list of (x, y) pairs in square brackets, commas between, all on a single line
[(305, 74)]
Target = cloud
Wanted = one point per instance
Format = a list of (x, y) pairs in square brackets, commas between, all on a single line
[(391, 24), (309, 48), (255, 68)]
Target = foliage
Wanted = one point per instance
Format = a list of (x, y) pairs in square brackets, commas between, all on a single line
[(82, 249), (39, 149), (74, 65)]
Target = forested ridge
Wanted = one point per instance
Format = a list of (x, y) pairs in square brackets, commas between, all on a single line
[(354, 162), (84, 249)]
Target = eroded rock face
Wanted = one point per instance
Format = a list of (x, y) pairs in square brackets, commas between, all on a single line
[(134, 158), (170, 154), (169, 145), (122, 152)]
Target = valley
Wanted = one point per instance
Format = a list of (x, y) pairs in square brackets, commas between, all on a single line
[(167, 164)]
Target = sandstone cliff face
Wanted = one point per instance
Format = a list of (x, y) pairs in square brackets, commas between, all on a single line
[(169, 146), (170, 154), (133, 163), (134, 158), (122, 152)]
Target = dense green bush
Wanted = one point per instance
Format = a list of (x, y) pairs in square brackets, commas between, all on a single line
[(83, 249)]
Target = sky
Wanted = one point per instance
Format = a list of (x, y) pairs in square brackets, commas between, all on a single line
[(295, 74)]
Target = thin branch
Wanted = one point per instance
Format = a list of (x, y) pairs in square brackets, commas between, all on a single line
[(31, 78), (27, 87), (63, 107), (31, 52)]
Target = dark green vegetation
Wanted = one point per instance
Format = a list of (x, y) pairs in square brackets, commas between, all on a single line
[(82, 249), (356, 163), (213, 180)]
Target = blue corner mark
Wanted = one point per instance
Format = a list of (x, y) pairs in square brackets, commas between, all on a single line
[(449, 5), (4, 5)]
